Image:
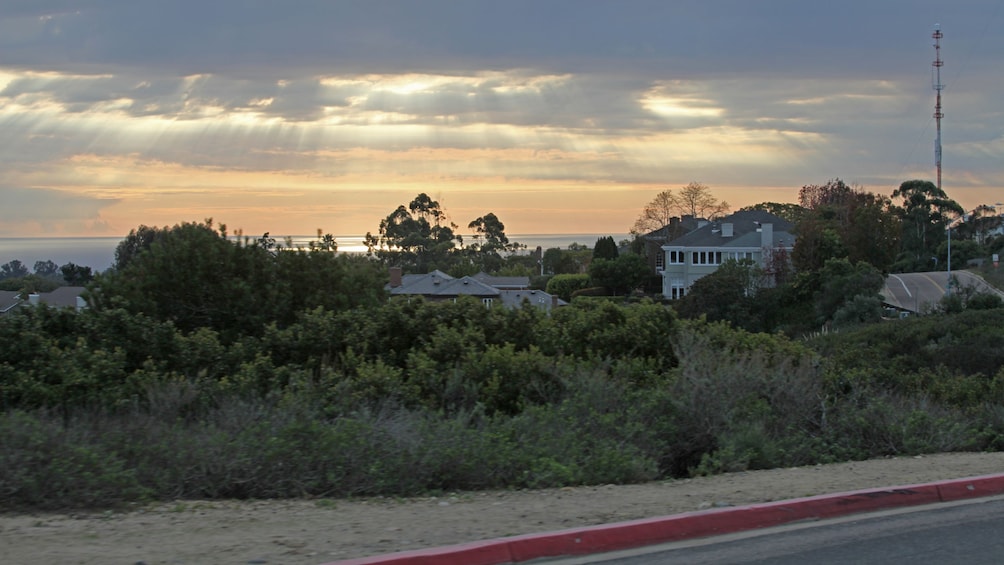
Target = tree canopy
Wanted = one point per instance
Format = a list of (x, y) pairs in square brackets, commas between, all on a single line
[(605, 248), (416, 236), (695, 200), (194, 276), (419, 238), (490, 243), (926, 213), (844, 222)]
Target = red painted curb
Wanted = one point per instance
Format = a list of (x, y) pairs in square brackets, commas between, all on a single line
[(638, 533)]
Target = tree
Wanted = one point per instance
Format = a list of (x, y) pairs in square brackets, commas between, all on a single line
[(843, 222), (564, 285), (46, 269), (13, 270), (605, 248), (415, 236), (324, 242), (620, 276), (490, 242), (842, 282), (728, 294), (657, 213), (194, 276), (695, 200), (926, 212), (138, 241), (979, 224), (564, 262), (787, 210), (76, 275)]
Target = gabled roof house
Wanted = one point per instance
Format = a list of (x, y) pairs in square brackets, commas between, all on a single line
[(511, 292), (62, 297), (750, 234)]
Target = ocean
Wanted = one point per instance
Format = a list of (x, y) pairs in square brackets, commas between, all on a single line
[(98, 253)]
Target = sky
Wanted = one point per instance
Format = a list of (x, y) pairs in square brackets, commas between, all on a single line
[(558, 116)]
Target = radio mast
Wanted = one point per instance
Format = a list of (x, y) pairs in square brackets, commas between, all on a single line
[(938, 87)]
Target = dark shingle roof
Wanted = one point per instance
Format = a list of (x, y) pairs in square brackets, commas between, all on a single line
[(8, 300), (62, 297), (438, 283), (513, 283), (744, 225)]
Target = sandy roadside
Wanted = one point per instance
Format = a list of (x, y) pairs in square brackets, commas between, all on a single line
[(319, 531)]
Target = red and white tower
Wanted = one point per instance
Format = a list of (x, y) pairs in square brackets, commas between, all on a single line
[(938, 87)]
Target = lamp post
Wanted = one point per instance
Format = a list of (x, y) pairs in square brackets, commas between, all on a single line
[(948, 281), (948, 284)]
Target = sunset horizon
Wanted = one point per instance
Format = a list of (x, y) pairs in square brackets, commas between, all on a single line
[(565, 118)]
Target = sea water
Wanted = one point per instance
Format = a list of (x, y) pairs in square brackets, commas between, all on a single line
[(98, 253)]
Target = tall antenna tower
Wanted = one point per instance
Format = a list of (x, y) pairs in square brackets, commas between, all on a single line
[(938, 87)]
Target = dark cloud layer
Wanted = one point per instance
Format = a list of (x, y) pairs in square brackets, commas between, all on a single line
[(686, 37)]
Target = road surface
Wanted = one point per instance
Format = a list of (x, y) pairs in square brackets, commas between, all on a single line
[(962, 532), (920, 292)]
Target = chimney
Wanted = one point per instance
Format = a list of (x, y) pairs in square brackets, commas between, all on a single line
[(34, 299), (395, 277), (727, 230), (767, 236)]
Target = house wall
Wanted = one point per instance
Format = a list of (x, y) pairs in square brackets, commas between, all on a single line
[(678, 278)]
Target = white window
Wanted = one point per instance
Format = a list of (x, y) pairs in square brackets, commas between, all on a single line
[(740, 255), (487, 302), (660, 260), (675, 257), (706, 258)]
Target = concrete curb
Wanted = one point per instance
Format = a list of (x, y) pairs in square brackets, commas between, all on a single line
[(637, 533)]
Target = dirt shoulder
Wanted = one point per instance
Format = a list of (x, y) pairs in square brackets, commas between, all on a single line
[(319, 531)]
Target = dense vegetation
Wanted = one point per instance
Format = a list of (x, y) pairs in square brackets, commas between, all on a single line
[(212, 367), (121, 403)]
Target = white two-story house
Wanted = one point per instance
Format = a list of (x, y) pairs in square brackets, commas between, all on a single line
[(752, 234)]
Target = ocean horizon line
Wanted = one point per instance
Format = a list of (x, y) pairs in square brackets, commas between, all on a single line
[(98, 252)]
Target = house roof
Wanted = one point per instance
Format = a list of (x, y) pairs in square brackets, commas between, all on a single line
[(438, 283), (746, 226), (675, 229), (64, 296), (538, 298), (514, 283), (8, 300), (426, 278)]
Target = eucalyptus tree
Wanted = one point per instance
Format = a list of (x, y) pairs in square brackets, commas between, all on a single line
[(491, 244), (926, 213), (13, 270), (418, 237)]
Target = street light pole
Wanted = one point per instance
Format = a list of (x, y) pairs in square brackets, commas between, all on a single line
[(948, 283)]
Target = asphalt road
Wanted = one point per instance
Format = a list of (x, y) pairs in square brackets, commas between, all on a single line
[(919, 292), (963, 532)]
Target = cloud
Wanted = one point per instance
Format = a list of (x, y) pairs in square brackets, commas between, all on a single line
[(689, 38), (124, 100), (42, 210)]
